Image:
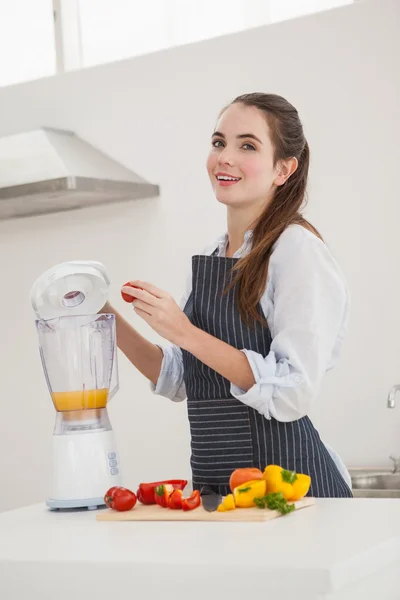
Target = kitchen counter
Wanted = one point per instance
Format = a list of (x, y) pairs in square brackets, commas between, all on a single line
[(338, 549)]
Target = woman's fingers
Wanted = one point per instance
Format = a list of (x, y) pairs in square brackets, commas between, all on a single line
[(142, 306), (150, 288), (140, 294)]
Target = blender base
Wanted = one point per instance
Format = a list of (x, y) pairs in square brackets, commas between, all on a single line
[(88, 503), (84, 467)]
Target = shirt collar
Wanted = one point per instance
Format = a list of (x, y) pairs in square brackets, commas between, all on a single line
[(222, 242)]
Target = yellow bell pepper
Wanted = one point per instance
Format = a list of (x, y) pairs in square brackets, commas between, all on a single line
[(245, 494), (228, 503), (292, 485), (300, 486)]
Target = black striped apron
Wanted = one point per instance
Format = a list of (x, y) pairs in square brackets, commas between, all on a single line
[(225, 433)]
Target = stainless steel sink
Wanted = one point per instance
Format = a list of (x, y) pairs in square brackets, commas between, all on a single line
[(379, 483), (375, 484)]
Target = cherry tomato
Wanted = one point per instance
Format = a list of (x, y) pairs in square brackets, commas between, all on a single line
[(127, 297), (120, 498)]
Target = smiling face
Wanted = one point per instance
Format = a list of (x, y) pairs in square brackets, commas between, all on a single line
[(241, 160)]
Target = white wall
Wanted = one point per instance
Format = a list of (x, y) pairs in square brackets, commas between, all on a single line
[(156, 113), (288, 9)]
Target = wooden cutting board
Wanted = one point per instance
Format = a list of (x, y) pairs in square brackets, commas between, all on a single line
[(156, 513)]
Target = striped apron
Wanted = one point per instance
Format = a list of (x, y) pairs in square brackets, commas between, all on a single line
[(225, 433)]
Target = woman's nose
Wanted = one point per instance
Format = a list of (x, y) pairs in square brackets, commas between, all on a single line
[(225, 158)]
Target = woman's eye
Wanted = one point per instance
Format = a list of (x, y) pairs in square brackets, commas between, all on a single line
[(220, 144), (248, 147)]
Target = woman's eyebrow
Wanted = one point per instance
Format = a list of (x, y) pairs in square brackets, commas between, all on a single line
[(241, 136)]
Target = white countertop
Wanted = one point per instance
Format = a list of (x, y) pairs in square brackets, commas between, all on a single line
[(319, 552)]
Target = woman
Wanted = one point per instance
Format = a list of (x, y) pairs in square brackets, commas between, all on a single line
[(264, 315)]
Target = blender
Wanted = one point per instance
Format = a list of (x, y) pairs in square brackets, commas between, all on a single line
[(79, 358)]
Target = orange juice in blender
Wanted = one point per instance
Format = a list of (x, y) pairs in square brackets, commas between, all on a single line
[(80, 399)]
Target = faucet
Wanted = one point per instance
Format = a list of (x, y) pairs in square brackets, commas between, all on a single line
[(396, 463), (391, 403)]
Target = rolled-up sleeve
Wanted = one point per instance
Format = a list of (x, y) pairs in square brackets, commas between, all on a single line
[(310, 305), (170, 383)]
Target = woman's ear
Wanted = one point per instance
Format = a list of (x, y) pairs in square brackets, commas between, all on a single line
[(284, 169)]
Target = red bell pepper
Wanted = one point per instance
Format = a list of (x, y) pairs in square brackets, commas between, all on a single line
[(162, 494), (175, 500), (146, 491), (167, 497), (192, 502)]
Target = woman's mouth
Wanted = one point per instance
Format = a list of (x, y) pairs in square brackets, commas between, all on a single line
[(225, 180)]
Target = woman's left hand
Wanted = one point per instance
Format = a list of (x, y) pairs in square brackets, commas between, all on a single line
[(160, 311)]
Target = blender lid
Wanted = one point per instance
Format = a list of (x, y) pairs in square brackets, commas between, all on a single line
[(70, 288)]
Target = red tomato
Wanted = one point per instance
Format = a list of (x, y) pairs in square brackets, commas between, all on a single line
[(240, 476), (120, 498), (109, 495), (127, 297)]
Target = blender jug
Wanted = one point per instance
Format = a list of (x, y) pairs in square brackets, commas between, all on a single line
[(78, 356)]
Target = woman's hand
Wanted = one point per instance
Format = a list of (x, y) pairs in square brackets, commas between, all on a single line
[(163, 314), (160, 311)]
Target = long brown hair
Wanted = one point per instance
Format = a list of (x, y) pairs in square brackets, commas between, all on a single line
[(287, 137)]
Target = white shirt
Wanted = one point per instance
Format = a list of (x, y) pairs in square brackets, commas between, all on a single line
[(306, 305)]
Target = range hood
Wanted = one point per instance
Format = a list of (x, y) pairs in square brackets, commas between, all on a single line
[(51, 170)]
